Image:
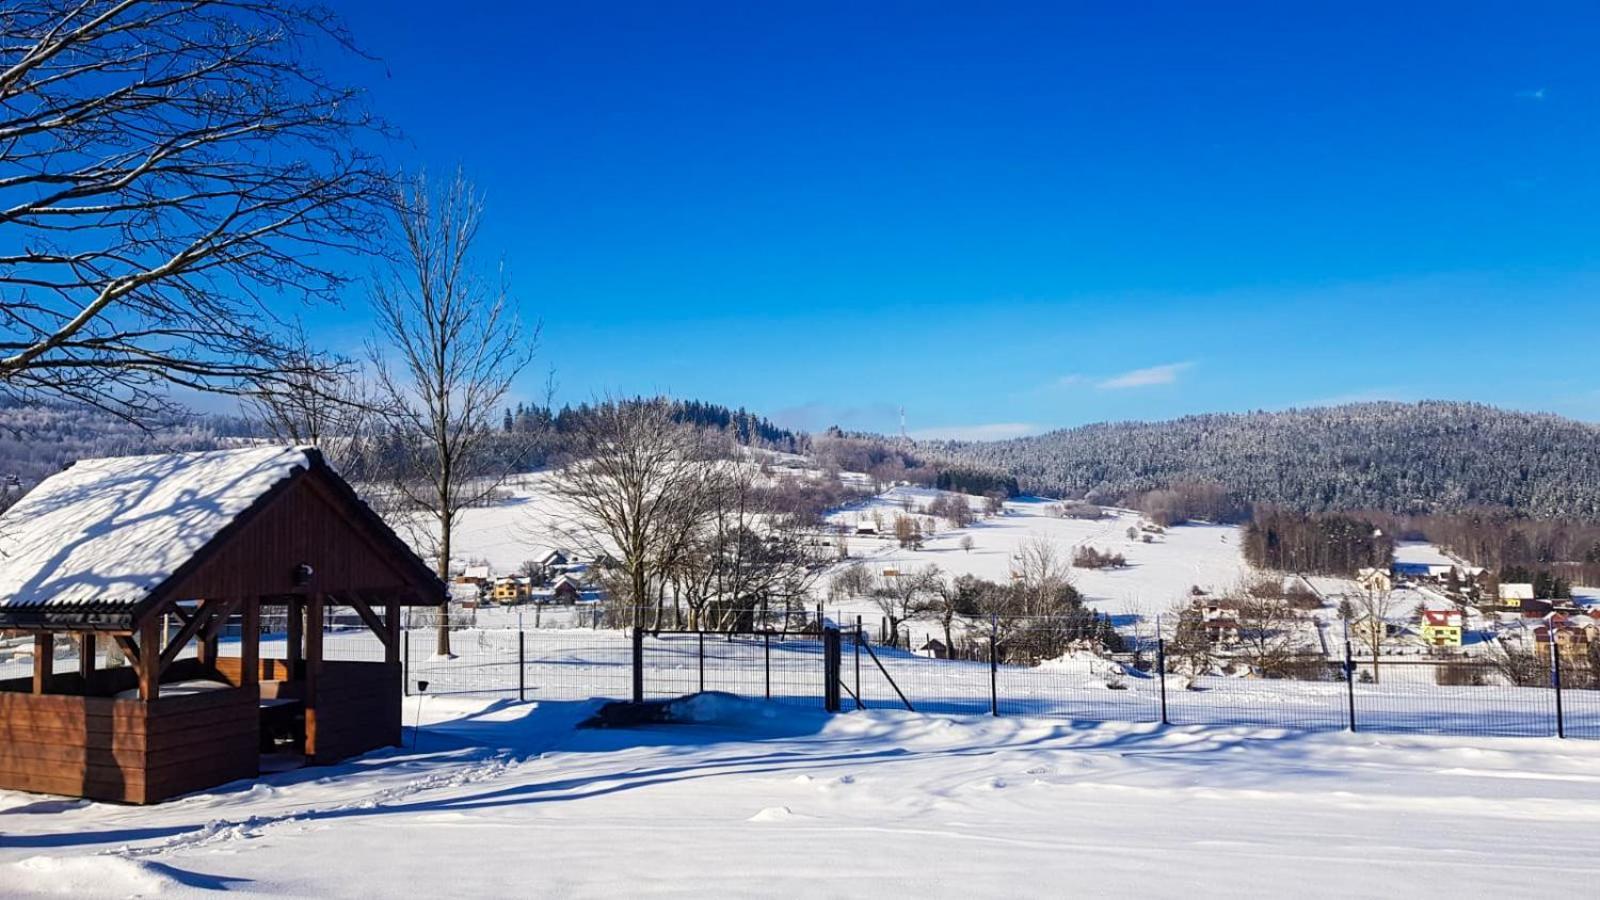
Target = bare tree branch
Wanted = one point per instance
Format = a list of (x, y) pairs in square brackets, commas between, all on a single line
[(172, 174)]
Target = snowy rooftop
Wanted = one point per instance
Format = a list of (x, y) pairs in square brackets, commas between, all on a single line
[(109, 531)]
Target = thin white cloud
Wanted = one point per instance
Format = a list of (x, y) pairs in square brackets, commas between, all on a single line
[(1535, 94), (991, 431), (1150, 377)]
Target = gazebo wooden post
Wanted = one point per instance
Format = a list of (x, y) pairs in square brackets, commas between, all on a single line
[(313, 608), (150, 633), (44, 660), (250, 642), (391, 624), (87, 652)]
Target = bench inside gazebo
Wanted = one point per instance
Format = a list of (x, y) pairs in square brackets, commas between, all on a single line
[(154, 558)]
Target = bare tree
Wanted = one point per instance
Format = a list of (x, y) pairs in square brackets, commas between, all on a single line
[(747, 550), (962, 595), (908, 531), (906, 596), (321, 400), (1372, 611), (171, 172), (636, 486), (532, 570), (1269, 634), (457, 346), (853, 581), (1039, 572)]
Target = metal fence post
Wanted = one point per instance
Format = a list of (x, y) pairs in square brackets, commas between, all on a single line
[(405, 663), (994, 668), (1350, 682), (1161, 669), (1555, 681), (830, 669), (701, 635), (638, 663), (766, 660), (522, 665), (858, 662)]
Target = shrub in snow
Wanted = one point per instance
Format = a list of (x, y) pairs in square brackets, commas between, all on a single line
[(1087, 557)]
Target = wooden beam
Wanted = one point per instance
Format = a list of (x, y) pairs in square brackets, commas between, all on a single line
[(217, 613), (129, 648), (368, 616), (44, 660), (250, 642), (190, 627), (313, 668), (150, 658), (87, 651), (182, 614), (391, 650), (220, 611)]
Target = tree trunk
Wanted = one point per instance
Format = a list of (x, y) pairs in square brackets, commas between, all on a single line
[(442, 635), (641, 591)]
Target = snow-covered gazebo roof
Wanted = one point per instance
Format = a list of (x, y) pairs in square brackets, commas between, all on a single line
[(108, 535)]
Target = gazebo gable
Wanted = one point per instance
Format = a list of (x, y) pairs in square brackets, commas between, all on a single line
[(310, 534)]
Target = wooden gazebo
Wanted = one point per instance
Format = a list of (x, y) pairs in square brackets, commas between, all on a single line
[(147, 556)]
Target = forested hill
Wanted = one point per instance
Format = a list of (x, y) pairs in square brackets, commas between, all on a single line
[(38, 440), (1425, 457)]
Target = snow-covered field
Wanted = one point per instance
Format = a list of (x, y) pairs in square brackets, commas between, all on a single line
[(511, 799), (1158, 576), (1075, 789)]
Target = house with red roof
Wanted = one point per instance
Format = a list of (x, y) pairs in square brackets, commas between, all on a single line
[(1441, 627)]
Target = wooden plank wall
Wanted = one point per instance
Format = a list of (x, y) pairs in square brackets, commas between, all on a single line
[(358, 709), (133, 752), (304, 524), (127, 750)]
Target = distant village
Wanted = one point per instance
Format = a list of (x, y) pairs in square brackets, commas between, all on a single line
[(556, 578), (1427, 611)]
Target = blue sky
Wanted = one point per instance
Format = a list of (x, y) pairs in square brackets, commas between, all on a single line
[(1015, 217)]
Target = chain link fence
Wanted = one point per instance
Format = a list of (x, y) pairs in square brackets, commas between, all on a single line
[(996, 668)]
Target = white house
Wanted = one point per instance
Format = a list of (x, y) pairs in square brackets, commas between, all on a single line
[(1514, 593), (1378, 580)]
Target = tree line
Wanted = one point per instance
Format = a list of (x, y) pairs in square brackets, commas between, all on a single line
[(1038, 615)]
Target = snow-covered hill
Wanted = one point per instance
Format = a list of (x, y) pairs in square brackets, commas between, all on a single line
[(1159, 574)]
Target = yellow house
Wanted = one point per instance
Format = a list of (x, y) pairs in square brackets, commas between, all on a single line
[(510, 589), (1441, 627)]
